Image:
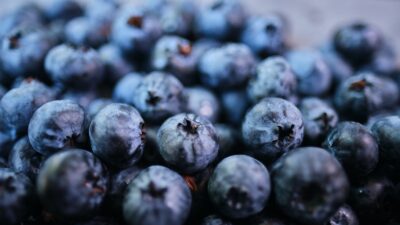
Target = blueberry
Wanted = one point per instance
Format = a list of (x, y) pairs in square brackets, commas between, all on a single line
[(96, 106), (124, 90), (62, 10), (159, 96), (272, 127), (72, 184), (75, 67), (274, 78), (174, 21), (357, 42), (221, 20), (215, 220), (16, 197), (102, 10), (386, 131), (234, 105), (355, 148), (188, 142), (203, 102), (312, 72), (87, 32), (384, 61), (339, 67), (319, 118), (228, 140), (82, 98), (176, 56), (116, 66), (24, 159), (55, 126), (309, 185), (23, 51), (343, 216), (266, 35), (157, 195), (117, 135), (239, 186), (135, 32), (361, 95), (227, 67)]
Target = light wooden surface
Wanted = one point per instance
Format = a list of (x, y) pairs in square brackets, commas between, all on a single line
[(313, 21)]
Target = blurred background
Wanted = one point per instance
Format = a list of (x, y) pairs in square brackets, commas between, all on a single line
[(312, 21)]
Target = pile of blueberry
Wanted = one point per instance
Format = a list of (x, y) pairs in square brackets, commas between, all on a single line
[(170, 113)]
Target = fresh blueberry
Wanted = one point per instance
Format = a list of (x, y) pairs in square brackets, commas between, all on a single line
[(227, 67), (221, 20), (157, 195), (7, 137), (384, 61), (82, 98), (266, 35), (96, 106), (159, 96), (135, 32), (75, 67), (386, 131), (357, 42), (239, 186), (55, 126), (72, 183), (62, 10), (188, 142), (117, 135), (16, 197), (87, 32), (361, 95), (23, 51), (24, 159), (271, 128), (319, 118), (203, 102), (215, 220), (234, 105), (274, 78), (343, 216), (116, 66), (175, 22), (175, 55), (124, 90), (312, 72), (20, 103), (355, 148), (309, 185)]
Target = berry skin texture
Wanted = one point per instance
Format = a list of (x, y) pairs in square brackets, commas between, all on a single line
[(272, 127), (124, 90), (343, 216), (355, 148), (313, 75), (56, 125), (188, 142), (227, 67), (239, 186), (157, 195), (266, 36), (24, 159), (74, 67), (319, 118), (79, 176), (159, 96), (20, 103), (274, 78), (221, 20), (203, 102), (117, 135), (16, 197), (309, 185), (361, 95)]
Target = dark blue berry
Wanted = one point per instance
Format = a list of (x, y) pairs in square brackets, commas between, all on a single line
[(157, 195), (343, 216), (95, 107), (116, 66), (62, 10), (234, 105), (124, 91), (203, 102), (72, 184), (271, 128), (87, 32), (188, 142), (309, 185), (239, 186), (117, 135), (56, 125)]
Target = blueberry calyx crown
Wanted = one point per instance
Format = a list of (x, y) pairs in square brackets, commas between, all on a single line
[(284, 133), (359, 85), (92, 183), (136, 21), (189, 126), (325, 119), (153, 98), (14, 40), (185, 49), (153, 192)]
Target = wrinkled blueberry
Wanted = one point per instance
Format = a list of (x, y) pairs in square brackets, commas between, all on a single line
[(188, 142)]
